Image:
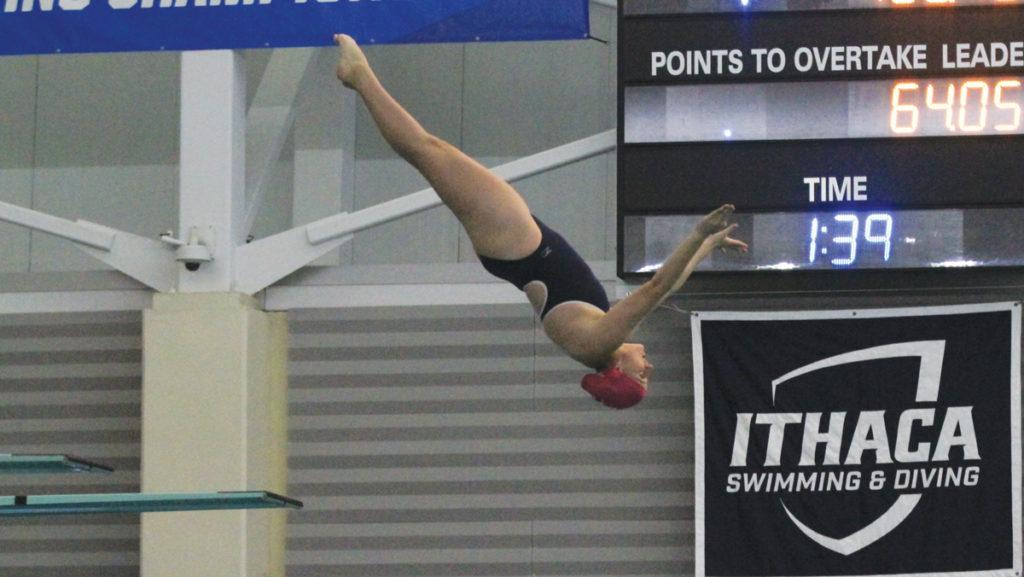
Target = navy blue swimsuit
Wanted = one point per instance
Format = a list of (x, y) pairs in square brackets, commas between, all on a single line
[(557, 266)]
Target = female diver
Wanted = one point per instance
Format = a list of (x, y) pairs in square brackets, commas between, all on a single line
[(514, 245)]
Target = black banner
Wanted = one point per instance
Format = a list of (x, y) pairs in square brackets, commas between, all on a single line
[(873, 442)]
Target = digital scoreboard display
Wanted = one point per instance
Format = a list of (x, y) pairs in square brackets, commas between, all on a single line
[(848, 133)]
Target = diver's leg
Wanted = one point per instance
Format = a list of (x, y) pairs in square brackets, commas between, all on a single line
[(494, 215)]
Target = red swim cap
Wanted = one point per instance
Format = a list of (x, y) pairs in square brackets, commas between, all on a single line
[(613, 388)]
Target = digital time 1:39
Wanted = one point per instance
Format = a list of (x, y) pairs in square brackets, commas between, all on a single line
[(845, 233)]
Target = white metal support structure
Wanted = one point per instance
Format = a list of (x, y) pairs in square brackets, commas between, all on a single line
[(213, 205), (212, 173), (143, 259)]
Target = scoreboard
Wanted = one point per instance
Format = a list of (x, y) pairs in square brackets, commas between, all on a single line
[(848, 133)]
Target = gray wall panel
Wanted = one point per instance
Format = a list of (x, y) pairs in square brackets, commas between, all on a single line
[(15, 188), (456, 483), (71, 384), (321, 180), (427, 80), (542, 481), (429, 236), (17, 144), (108, 109), (536, 95), (106, 148), (17, 111), (275, 214)]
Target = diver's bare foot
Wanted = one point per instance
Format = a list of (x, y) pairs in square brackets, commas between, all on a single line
[(352, 65)]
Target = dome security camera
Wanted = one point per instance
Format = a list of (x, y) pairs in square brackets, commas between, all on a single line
[(193, 255)]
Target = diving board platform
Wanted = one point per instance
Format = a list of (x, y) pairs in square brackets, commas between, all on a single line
[(48, 464), (29, 505)]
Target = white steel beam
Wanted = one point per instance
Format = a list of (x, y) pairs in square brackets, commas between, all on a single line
[(66, 229), (263, 262), (212, 181), (146, 260), (344, 224)]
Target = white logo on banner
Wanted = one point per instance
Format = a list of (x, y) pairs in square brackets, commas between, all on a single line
[(931, 355)]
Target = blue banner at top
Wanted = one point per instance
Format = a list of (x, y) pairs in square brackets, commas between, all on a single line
[(70, 26)]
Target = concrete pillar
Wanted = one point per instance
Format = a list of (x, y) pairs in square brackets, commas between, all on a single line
[(214, 418)]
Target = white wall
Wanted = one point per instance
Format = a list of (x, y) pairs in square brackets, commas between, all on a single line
[(96, 137)]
